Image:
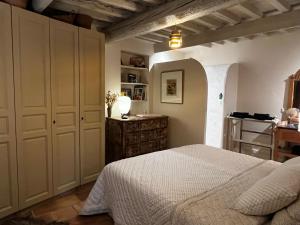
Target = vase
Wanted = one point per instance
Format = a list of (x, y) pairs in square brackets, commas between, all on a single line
[(108, 112)]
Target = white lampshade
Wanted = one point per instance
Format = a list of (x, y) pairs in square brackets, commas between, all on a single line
[(124, 105)]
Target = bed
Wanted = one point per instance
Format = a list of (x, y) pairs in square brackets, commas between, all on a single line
[(190, 185)]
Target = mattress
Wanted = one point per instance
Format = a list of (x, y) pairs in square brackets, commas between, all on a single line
[(172, 186)]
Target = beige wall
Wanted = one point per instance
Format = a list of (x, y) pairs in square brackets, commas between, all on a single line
[(113, 62), (187, 120)]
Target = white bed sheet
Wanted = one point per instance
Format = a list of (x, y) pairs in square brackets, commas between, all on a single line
[(145, 190)]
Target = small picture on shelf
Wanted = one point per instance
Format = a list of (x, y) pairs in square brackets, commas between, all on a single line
[(139, 93), (132, 78), (127, 92), (137, 61)]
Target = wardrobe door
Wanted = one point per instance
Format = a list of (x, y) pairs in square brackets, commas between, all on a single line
[(91, 48), (33, 105), (65, 105), (8, 160)]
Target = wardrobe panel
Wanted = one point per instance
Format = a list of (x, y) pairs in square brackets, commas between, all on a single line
[(8, 160), (91, 50), (65, 105), (33, 105)]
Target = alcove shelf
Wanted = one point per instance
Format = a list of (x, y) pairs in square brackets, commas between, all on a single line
[(135, 80)]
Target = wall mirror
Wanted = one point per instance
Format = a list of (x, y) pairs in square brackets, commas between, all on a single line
[(294, 91)]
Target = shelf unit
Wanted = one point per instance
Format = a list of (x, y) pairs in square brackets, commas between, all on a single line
[(138, 88), (236, 128)]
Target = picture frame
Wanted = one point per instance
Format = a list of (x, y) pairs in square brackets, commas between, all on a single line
[(127, 92), (132, 78), (139, 93), (172, 86)]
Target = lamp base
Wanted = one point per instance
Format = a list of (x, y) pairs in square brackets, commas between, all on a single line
[(124, 116)]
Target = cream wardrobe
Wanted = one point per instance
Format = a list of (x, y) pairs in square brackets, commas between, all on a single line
[(51, 107)]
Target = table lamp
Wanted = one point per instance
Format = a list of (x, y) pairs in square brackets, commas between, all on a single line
[(124, 106)]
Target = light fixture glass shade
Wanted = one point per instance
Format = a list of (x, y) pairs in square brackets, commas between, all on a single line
[(175, 40), (124, 103)]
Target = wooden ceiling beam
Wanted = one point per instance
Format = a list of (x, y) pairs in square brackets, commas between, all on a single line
[(123, 4), (280, 5), (40, 5), (96, 7), (192, 26), (151, 38), (227, 16), (76, 9), (152, 2), (209, 22), (161, 34), (166, 15), (262, 25), (250, 10)]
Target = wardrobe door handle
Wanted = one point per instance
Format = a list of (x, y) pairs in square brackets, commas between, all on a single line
[(54, 122), (82, 118)]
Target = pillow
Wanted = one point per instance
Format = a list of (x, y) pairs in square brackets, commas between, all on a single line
[(283, 218), (293, 161), (272, 193), (294, 210)]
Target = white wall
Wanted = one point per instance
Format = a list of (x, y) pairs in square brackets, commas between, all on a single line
[(265, 65), (113, 62)]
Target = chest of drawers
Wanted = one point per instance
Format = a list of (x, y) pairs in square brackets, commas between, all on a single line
[(135, 136)]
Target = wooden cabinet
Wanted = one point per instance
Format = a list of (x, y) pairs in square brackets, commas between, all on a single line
[(8, 161), (91, 51), (65, 105), (51, 107), (284, 134), (33, 105), (135, 136)]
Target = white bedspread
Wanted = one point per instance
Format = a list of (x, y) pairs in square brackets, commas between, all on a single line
[(146, 190)]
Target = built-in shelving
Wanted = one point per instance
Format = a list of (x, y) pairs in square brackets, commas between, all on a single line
[(133, 67), (135, 80), (128, 83)]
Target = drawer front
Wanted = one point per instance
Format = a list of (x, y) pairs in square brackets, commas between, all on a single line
[(132, 150), (290, 135), (163, 132), (131, 127), (132, 138), (149, 135), (163, 144), (164, 123), (150, 146), (150, 124)]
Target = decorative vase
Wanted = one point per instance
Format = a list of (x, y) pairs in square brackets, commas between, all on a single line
[(108, 112)]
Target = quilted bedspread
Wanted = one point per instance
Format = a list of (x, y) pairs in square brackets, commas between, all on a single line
[(173, 186)]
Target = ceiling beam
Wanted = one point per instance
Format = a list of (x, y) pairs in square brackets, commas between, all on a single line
[(161, 33), (263, 25), (124, 4), (40, 5), (209, 22), (192, 26), (77, 9), (152, 2), (152, 38), (97, 7), (166, 15), (250, 10), (280, 5), (227, 16)]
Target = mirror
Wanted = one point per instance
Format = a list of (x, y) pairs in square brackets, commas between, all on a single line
[(296, 95), (294, 91)]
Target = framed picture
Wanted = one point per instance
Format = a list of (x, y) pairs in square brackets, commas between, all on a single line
[(172, 87), (139, 93), (132, 78), (127, 92)]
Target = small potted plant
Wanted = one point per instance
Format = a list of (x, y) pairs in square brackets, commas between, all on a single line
[(110, 100)]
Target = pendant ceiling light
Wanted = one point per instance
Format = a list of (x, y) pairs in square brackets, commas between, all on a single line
[(175, 40)]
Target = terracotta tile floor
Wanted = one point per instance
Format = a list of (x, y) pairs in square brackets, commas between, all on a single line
[(66, 207)]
